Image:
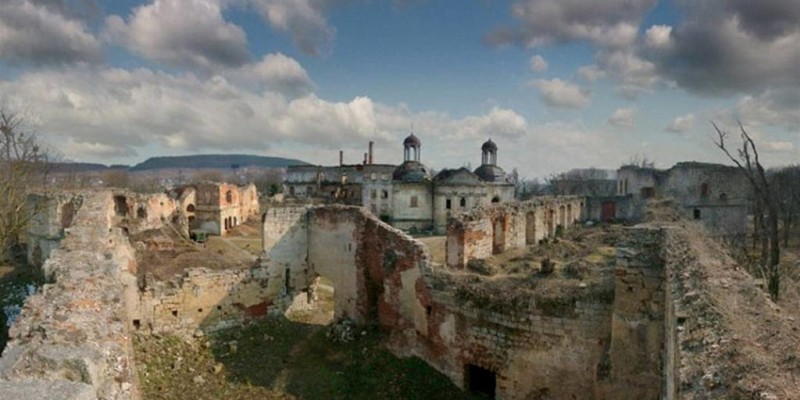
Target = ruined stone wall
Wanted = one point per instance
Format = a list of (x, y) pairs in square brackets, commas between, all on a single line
[(72, 339), (638, 324), (484, 231), (207, 300), (51, 215), (549, 350), (141, 212), (625, 208)]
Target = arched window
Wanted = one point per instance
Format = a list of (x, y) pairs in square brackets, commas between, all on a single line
[(463, 202), (229, 196), (496, 199), (190, 208)]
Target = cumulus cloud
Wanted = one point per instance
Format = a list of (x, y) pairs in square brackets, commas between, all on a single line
[(304, 20), (623, 118), (498, 122), (658, 37), (279, 72), (591, 73), (103, 112), (725, 46), (538, 63), (611, 23), (44, 32), (681, 124), (183, 33), (775, 107), (561, 93)]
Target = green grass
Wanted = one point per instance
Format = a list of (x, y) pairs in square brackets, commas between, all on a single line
[(276, 359)]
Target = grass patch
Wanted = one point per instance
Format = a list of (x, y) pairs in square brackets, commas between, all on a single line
[(280, 359)]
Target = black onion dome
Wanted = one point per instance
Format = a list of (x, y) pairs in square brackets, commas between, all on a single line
[(412, 140), (491, 173), (411, 171), (489, 146)]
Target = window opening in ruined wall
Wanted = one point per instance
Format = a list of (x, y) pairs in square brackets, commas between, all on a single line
[(463, 202), (414, 202), (697, 213), (448, 204), (704, 190)]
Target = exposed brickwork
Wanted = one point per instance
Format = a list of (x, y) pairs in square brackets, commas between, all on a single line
[(484, 231)]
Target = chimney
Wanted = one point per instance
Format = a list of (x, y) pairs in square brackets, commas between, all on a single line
[(341, 157), (365, 158), (370, 151)]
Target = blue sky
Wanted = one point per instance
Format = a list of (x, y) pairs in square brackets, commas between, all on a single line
[(558, 84)]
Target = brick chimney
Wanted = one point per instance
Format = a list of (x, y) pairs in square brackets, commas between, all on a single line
[(341, 157), (370, 151)]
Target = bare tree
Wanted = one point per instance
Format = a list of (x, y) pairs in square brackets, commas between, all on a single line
[(23, 165), (582, 182), (765, 207)]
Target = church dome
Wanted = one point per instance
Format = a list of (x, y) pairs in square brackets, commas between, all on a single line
[(412, 140), (491, 173), (489, 146), (411, 171)]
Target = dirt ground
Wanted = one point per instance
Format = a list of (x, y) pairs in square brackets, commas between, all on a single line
[(163, 253)]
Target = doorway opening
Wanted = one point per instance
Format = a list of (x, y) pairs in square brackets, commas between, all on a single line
[(480, 381)]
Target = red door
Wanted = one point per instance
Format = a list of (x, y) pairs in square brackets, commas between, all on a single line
[(608, 212)]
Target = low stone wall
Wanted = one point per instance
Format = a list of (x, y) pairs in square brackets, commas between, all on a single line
[(72, 339)]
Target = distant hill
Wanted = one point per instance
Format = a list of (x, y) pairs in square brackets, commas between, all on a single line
[(70, 167), (215, 161)]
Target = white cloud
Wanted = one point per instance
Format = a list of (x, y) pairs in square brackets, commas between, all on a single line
[(561, 93), (103, 112), (35, 33), (681, 124), (591, 73), (635, 74), (775, 107), (498, 122), (281, 74), (623, 118), (184, 33), (658, 37), (610, 23), (538, 63), (304, 20)]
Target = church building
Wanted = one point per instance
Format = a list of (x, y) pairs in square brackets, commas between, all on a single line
[(407, 196)]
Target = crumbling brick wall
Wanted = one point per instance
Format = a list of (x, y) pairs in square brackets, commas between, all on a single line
[(484, 231), (72, 338)]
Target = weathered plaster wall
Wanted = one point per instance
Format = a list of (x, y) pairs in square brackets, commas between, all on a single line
[(405, 216)]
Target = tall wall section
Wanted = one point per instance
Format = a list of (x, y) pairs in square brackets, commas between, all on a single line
[(72, 340)]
